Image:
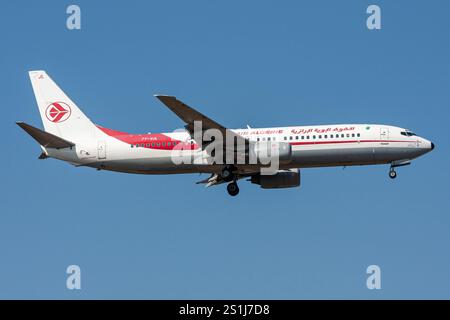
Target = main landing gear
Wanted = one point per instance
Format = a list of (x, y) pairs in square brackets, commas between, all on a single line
[(233, 189), (228, 175)]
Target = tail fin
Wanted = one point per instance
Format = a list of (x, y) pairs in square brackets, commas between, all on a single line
[(60, 115)]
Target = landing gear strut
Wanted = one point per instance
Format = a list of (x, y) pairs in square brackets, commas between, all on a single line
[(228, 175), (395, 164), (233, 189)]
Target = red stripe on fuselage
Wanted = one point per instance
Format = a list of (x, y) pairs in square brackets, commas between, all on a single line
[(344, 141), (159, 141)]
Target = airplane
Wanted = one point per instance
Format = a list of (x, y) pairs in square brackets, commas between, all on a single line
[(70, 136)]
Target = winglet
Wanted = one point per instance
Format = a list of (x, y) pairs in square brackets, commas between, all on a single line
[(45, 139), (168, 100), (164, 97)]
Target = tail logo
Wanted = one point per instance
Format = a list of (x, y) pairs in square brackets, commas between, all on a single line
[(58, 112)]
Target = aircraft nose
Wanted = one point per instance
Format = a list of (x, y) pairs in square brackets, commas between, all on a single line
[(432, 146)]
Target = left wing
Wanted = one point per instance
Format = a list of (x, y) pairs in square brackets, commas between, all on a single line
[(189, 115)]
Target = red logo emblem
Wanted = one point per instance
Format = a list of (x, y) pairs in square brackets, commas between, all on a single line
[(58, 112)]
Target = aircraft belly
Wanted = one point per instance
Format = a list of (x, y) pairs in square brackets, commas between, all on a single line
[(351, 156), (301, 158), (142, 165), (335, 156)]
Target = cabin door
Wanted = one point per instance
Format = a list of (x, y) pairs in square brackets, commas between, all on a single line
[(101, 150), (384, 136)]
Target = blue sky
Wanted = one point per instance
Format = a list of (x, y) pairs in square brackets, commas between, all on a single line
[(262, 63)]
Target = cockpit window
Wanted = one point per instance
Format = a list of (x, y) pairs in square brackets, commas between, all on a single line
[(407, 133)]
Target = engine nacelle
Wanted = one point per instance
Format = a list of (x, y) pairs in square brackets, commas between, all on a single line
[(267, 151), (282, 179)]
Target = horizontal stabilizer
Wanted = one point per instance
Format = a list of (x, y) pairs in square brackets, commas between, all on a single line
[(45, 139)]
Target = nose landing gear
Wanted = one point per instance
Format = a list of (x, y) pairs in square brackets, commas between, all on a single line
[(395, 164), (392, 173)]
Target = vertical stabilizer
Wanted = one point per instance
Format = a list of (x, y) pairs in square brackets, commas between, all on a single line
[(60, 115)]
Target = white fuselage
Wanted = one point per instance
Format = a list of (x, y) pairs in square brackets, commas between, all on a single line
[(312, 146)]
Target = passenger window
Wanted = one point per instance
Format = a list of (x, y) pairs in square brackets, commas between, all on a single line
[(325, 136), (358, 135), (148, 145), (331, 136), (307, 137), (320, 137), (157, 144), (285, 138), (153, 144), (168, 144), (353, 135), (263, 139), (163, 144), (296, 137), (314, 137), (342, 135), (257, 139), (290, 138), (268, 139), (303, 137), (132, 145)]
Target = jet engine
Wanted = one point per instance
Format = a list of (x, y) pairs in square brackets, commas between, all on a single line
[(282, 179)]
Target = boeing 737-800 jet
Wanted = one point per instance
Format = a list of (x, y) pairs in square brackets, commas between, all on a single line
[(70, 136)]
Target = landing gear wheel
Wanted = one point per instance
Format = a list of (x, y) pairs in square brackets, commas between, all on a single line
[(227, 174), (233, 189), (392, 174)]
